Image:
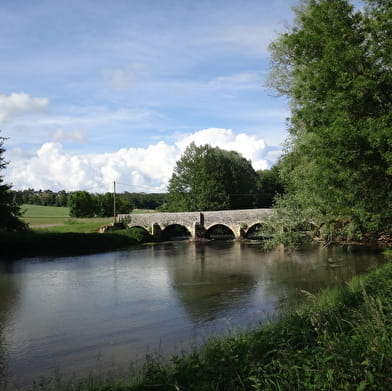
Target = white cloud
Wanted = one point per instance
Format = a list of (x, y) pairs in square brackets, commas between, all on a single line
[(18, 103), (249, 146), (135, 169)]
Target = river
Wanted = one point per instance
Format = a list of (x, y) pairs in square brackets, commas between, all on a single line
[(87, 314)]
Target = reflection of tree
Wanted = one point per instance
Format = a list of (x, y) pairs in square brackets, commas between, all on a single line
[(316, 269), (212, 284), (9, 293), (214, 279)]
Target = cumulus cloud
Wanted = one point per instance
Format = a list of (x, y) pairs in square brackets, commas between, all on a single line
[(17, 103), (250, 147), (134, 169)]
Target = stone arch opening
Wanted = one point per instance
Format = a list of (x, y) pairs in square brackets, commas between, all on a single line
[(175, 232), (140, 233), (138, 227), (255, 232), (219, 232)]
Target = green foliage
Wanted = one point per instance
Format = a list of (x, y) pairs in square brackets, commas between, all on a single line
[(139, 235), (82, 204), (335, 66), (207, 178), (105, 205), (60, 198), (269, 185), (9, 210)]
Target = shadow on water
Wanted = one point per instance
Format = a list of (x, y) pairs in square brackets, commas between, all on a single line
[(9, 296)]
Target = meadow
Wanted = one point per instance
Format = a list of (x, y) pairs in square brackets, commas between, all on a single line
[(37, 215), (57, 219)]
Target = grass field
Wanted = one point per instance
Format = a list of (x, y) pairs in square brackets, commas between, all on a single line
[(44, 215), (57, 219)]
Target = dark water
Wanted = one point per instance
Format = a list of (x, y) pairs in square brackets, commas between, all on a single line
[(77, 315)]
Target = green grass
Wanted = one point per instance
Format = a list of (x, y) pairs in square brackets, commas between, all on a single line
[(340, 340), (44, 215), (78, 225), (57, 219)]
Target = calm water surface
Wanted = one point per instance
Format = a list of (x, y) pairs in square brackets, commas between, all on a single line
[(77, 315)]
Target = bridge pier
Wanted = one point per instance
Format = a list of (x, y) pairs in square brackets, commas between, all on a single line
[(198, 231), (239, 233), (156, 232)]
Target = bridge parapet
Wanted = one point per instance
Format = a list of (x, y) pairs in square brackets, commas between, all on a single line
[(237, 220)]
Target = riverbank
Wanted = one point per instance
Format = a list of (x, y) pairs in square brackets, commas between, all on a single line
[(341, 339), (43, 243)]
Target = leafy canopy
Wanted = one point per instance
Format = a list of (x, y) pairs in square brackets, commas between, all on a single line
[(9, 210), (207, 178), (335, 65)]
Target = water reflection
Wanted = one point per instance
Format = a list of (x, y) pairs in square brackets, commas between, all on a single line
[(9, 295), (208, 289), (65, 312)]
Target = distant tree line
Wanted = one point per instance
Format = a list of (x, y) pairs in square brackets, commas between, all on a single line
[(85, 204), (61, 198)]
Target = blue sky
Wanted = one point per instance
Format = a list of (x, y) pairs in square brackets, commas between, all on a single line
[(96, 91)]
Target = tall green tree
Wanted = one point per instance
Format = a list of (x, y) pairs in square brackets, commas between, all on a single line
[(105, 204), (9, 210), (269, 185), (82, 204), (207, 178), (335, 66)]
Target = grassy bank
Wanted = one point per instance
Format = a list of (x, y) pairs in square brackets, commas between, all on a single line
[(36, 243), (340, 340), (55, 233)]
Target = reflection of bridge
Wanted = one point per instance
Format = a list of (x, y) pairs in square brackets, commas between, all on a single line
[(199, 224)]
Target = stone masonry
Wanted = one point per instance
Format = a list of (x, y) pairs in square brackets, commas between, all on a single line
[(198, 223)]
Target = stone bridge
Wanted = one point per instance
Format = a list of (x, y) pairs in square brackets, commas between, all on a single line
[(199, 224)]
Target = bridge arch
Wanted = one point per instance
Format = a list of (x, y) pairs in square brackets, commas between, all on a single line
[(198, 223), (219, 231), (175, 231), (254, 231), (138, 226)]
